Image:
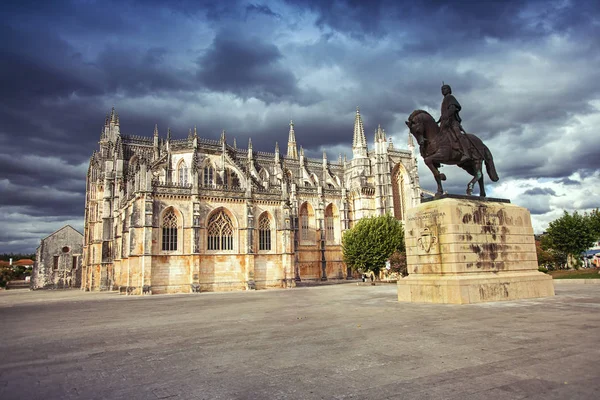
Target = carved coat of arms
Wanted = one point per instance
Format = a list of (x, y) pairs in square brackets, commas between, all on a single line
[(427, 240)]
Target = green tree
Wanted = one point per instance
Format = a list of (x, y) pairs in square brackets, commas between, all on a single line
[(571, 234), (6, 275), (371, 242), (594, 223), (544, 257)]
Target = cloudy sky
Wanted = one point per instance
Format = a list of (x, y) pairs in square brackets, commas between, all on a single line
[(527, 74)]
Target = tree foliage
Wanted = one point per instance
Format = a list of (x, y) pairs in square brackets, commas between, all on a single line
[(570, 234), (6, 275), (398, 263), (545, 257), (371, 242), (594, 223)]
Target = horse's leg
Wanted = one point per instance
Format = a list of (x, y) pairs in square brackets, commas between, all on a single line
[(477, 174), (481, 187), (429, 161), (480, 180)]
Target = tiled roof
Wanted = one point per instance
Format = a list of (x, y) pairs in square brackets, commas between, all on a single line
[(24, 261)]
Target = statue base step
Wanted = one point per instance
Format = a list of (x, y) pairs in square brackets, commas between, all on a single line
[(474, 288)]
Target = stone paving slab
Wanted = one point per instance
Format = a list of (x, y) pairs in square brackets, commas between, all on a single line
[(327, 342)]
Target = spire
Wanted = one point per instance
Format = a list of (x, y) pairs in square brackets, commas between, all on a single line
[(112, 115), (155, 129), (276, 152), (119, 148), (324, 159), (391, 145), (379, 134), (292, 151), (223, 136), (359, 142), (195, 132), (249, 147), (340, 159), (234, 143), (190, 133), (168, 134), (301, 151)]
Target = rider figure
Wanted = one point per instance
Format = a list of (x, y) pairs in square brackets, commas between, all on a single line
[(450, 122)]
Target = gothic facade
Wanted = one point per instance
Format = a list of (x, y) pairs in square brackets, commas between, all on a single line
[(168, 215)]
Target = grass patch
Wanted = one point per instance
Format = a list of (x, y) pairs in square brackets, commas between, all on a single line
[(572, 274)]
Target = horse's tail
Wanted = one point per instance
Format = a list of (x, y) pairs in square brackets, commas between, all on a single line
[(489, 164)]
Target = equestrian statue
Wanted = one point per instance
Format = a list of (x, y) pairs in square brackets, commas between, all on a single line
[(449, 144)]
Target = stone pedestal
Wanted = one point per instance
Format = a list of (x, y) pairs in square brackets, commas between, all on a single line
[(469, 251)]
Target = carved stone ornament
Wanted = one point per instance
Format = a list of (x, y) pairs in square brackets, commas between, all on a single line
[(427, 240)]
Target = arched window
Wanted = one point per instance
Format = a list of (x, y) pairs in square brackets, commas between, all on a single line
[(209, 176), (398, 192), (329, 226), (306, 216), (220, 232), (264, 232), (182, 173), (169, 231)]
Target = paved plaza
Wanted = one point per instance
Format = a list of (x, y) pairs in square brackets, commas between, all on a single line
[(326, 342)]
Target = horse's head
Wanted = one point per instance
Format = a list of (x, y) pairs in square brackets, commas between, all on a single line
[(417, 122)]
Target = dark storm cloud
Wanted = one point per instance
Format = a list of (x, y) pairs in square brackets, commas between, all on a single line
[(568, 182), (133, 73), (40, 65), (540, 191), (467, 19), (42, 200), (248, 67), (261, 9)]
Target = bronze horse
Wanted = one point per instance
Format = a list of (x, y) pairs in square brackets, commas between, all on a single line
[(436, 149)]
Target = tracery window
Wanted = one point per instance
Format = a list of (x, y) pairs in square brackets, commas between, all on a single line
[(182, 173), (169, 231), (209, 174), (329, 227), (220, 232), (264, 233), (304, 223)]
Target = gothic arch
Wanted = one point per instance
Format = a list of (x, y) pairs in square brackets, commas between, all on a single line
[(208, 173), (307, 222), (221, 231), (266, 229), (182, 172), (264, 174), (171, 230), (332, 223), (399, 190), (231, 178), (238, 173)]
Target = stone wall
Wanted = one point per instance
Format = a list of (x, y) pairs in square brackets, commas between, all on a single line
[(58, 260)]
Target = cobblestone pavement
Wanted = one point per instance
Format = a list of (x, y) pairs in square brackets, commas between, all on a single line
[(330, 342)]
